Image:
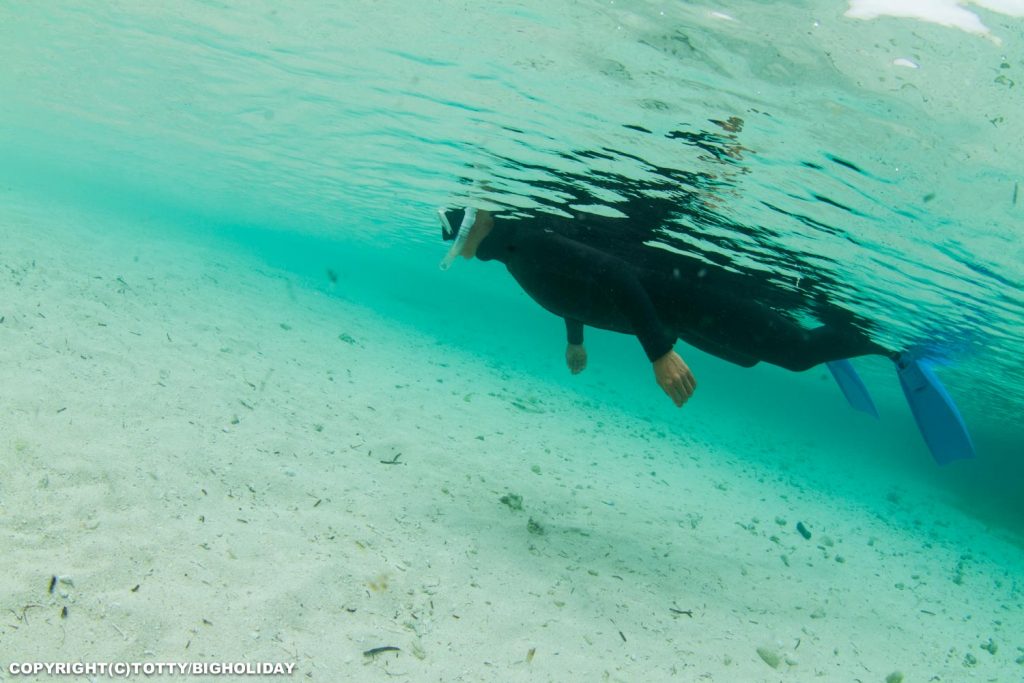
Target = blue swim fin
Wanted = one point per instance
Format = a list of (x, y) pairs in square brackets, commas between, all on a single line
[(852, 386), (938, 419)]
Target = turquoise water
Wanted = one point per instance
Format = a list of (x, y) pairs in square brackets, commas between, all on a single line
[(877, 165)]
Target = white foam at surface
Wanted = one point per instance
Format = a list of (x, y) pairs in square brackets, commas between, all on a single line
[(1013, 8), (952, 13), (944, 12)]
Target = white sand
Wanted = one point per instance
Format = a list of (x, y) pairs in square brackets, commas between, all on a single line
[(209, 487)]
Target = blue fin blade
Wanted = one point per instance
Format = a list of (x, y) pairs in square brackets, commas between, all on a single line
[(852, 387), (936, 415)]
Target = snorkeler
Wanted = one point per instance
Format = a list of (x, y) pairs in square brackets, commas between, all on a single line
[(685, 299), (586, 286)]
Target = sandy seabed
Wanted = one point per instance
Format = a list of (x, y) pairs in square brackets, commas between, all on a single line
[(207, 460)]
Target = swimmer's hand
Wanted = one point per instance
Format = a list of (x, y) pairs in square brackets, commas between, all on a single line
[(674, 378), (576, 358)]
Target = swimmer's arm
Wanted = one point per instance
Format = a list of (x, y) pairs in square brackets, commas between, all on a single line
[(670, 371), (575, 353), (574, 332)]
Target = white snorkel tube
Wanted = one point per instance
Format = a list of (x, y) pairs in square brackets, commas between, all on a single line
[(461, 235)]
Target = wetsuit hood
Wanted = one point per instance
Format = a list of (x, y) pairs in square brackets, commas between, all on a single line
[(498, 243)]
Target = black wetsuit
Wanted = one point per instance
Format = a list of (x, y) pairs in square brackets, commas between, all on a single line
[(673, 299)]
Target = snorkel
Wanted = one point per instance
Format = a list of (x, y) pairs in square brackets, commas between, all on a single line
[(460, 234)]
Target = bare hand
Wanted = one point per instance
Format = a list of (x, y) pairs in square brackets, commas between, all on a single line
[(576, 358), (674, 378)]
